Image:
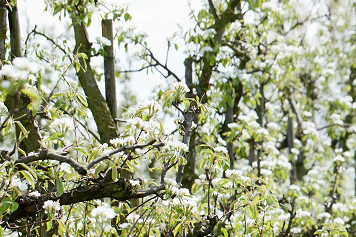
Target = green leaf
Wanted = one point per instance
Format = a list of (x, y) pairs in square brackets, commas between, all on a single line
[(60, 188), (5, 204), (252, 209), (28, 177), (82, 99), (177, 229), (114, 173), (274, 199), (23, 129), (48, 225), (61, 228), (127, 17), (32, 93), (29, 170), (224, 232), (14, 207)]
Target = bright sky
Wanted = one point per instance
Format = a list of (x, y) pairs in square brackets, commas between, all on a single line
[(158, 18)]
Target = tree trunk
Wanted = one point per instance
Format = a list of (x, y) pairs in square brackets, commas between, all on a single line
[(96, 102), (18, 103)]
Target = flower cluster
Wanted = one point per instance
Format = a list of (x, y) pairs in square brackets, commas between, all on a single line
[(62, 125), (180, 86), (102, 40), (123, 141), (51, 207), (20, 69)]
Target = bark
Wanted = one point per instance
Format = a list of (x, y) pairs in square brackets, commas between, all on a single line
[(230, 119), (15, 35), (109, 68), (189, 76), (122, 190), (290, 143), (3, 29), (188, 119), (189, 169), (227, 17), (18, 103), (96, 102)]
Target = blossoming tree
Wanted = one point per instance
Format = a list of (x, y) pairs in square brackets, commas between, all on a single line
[(264, 139)]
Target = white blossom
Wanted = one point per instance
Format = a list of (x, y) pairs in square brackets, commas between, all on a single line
[(102, 40), (339, 221), (295, 151), (5, 84), (336, 118), (309, 128), (65, 167), (170, 181), (284, 216), (296, 230), (294, 187), (104, 211), (220, 149), (51, 206), (339, 158), (307, 114), (266, 172), (234, 172), (20, 69), (45, 90), (176, 146), (181, 86), (179, 191), (21, 184), (62, 124), (249, 117), (223, 196), (323, 215), (123, 141), (313, 173), (34, 194), (302, 214), (206, 49), (135, 183)]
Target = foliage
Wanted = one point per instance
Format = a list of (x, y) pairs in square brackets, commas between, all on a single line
[(264, 139)]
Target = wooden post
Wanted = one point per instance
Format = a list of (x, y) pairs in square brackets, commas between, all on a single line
[(3, 29), (189, 76), (15, 36), (109, 67)]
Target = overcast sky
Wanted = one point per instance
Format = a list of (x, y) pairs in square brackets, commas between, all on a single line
[(159, 19)]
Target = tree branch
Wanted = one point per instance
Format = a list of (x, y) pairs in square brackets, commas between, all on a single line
[(82, 169), (122, 190), (213, 10), (45, 155)]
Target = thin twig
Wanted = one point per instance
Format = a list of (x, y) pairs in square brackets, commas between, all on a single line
[(128, 148)]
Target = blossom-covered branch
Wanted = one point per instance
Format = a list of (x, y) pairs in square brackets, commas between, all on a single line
[(82, 169)]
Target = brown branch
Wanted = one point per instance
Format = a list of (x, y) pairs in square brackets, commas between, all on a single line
[(141, 193), (158, 63), (128, 148), (122, 190), (82, 169), (45, 155), (187, 123), (213, 10), (35, 32)]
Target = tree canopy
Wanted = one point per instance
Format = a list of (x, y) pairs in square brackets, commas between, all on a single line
[(264, 123)]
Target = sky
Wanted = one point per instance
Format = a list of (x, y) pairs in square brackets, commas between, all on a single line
[(159, 19)]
